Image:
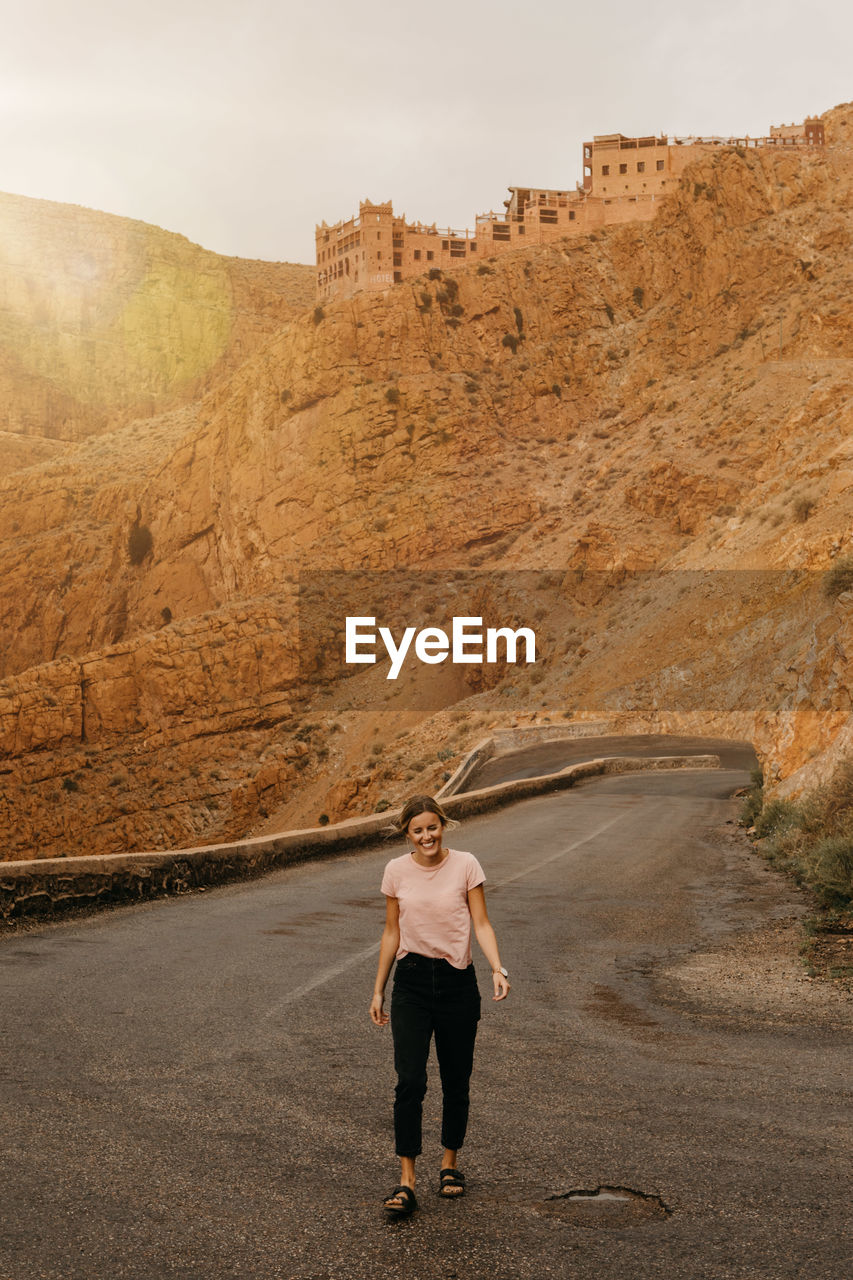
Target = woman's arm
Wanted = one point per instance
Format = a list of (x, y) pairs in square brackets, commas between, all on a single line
[(487, 940), (388, 948)]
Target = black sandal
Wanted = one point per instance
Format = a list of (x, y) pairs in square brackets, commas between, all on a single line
[(408, 1198), (448, 1178)]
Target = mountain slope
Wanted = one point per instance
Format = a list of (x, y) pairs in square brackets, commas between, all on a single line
[(657, 399), (104, 318)]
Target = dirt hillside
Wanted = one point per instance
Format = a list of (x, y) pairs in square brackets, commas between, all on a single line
[(642, 438)]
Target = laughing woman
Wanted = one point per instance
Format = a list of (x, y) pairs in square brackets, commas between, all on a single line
[(432, 897)]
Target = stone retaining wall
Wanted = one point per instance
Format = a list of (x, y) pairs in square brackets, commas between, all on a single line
[(528, 735)]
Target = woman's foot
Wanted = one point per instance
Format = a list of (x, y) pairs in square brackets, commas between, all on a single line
[(451, 1183), (401, 1202)]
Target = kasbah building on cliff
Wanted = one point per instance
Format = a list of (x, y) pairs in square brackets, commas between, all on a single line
[(624, 180)]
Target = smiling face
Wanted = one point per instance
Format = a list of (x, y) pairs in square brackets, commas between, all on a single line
[(425, 831)]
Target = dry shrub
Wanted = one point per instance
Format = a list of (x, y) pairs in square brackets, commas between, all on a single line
[(813, 840), (839, 578)]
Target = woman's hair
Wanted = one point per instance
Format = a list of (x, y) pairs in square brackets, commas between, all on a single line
[(421, 804)]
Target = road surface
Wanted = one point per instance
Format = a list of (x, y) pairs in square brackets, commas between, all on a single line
[(550, 757), (192, 1088)]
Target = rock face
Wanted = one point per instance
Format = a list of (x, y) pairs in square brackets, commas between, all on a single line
[(186, 438)]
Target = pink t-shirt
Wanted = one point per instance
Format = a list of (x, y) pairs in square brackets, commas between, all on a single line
[(434, 916)]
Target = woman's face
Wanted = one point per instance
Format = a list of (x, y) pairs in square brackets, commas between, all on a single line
[(424, 831)]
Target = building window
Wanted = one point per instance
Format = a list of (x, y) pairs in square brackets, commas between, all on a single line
[(571, 215), (378, 254), (417, 255), (623, 168), (605, 171), (659, 165), (398, 259), (641, 166), (445, 244), (430, 255), (522, 229)]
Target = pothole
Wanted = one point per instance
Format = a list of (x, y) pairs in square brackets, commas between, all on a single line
[(604, 1207)]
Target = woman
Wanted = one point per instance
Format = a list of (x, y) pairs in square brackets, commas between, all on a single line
[(433, 894)]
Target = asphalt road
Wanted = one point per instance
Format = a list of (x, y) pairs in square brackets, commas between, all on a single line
[(551, 757), (192, 1088)]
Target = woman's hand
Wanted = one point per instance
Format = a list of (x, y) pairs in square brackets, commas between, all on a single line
[(378, 1016), (388, 948), (501, 985)]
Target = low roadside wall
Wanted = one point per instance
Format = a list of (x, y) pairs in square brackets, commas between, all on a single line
[(51, 887), (511, 739), (527, 735), (483, 751)]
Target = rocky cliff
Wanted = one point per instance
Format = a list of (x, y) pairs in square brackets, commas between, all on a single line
[(641, 409)]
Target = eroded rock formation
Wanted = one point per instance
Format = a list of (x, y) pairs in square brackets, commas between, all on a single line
[(671, 397)]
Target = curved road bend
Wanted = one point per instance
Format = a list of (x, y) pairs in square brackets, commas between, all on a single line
[(550, 757), (193, 1088)]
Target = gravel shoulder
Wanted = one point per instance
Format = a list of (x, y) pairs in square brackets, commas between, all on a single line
[(773, 972)]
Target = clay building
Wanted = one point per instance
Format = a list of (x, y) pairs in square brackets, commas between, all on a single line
[(624, 180)]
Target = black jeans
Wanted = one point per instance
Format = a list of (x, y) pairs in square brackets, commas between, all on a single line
[(432, 997)]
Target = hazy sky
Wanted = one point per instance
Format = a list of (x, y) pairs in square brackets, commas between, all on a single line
[(241, 125)]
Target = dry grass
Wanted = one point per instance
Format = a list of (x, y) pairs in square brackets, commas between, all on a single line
[(813, 839)]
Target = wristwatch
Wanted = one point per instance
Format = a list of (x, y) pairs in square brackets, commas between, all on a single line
[(501, 970)]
